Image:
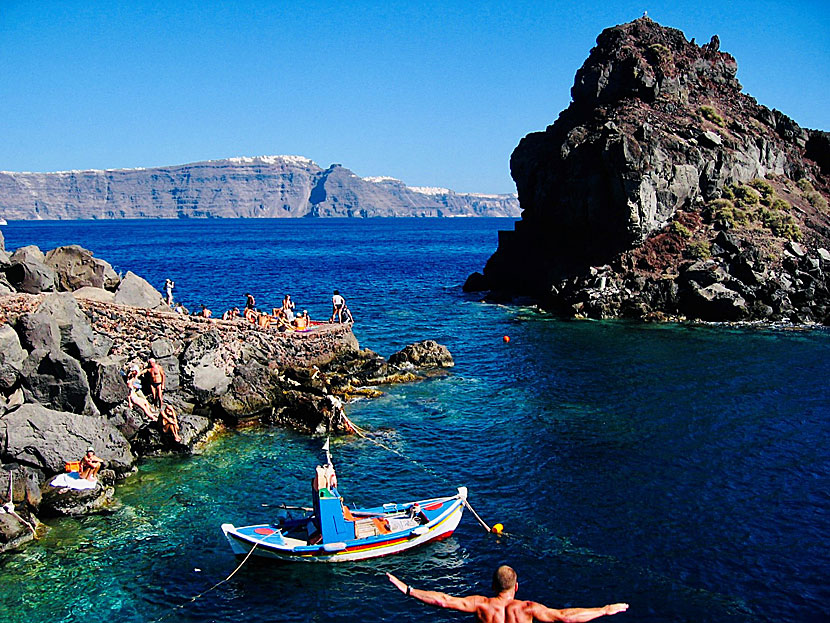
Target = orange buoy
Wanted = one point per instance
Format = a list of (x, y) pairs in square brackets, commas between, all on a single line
[(506, 339)]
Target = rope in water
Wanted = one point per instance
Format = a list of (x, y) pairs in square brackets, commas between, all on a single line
[(362, 433), (215, 586)]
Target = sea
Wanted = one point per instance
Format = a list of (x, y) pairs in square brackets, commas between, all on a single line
[(681, 468)]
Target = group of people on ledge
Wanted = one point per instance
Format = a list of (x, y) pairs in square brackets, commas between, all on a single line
[(153, 407), (282, 318)]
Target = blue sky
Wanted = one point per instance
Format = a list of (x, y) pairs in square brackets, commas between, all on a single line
[(436, 94)]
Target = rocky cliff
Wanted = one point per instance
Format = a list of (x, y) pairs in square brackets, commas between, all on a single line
[(263, 187), (69, 330), (664, 191)]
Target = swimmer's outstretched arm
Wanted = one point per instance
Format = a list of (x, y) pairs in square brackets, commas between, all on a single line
[(440, 600), (573, 615)]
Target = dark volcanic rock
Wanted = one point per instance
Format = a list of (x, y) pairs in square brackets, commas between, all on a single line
[(426, 354), (65, 502), (658, 161), (56, 380), (136, 292), (46, 439), (76, 268), (12, 357), (28, 273)]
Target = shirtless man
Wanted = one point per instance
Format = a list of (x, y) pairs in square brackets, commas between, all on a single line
[(157, 379), (90, 464), (505, 608)]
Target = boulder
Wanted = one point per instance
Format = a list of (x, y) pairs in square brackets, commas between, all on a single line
[(5, 260), (137, 292), (39, 331), (46, 439), (56, 380), (75, 268), (252, 391), (77, 337), (13, 532), (28, 272), (107, 382), (66, 502), (163, 348), (475, 283), (204, 367), (715, 302), (12, 357), (94, 294), (5, 286), (425, 354)]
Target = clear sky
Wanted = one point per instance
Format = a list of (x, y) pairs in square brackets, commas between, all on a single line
[(436, 94)]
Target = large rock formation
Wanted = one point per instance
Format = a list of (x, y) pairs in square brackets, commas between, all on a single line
[(659, 152), (262, 187)]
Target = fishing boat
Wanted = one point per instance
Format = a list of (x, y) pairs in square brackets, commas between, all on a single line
[(330, 531)]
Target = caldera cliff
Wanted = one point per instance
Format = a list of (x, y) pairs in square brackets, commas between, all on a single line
[(663, 191)]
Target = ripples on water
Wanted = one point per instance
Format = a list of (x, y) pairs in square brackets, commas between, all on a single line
[(682, 469)]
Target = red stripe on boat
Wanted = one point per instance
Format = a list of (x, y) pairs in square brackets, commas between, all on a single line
[(264, 531)]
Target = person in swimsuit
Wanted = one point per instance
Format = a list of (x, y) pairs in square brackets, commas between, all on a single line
[(136, 396), (90, 464), (288, 307), (157, 380), (170, 422), (169, 284), (337, 305), (250, 301), (504, 607)]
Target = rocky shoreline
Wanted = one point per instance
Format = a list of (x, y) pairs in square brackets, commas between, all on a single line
[(71, 327)]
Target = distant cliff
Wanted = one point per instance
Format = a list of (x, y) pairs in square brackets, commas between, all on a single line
[(664, 191), (260, 187)]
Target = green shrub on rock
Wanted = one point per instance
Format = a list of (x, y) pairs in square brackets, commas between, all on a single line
[(708, 112), (746, 196), (700, 250), (727, 213), (681, 230), (765, 189), (781, 224)]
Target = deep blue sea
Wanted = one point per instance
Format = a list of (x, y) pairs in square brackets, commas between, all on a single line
[(683, 469)]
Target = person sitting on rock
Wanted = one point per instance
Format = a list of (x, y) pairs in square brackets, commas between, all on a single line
[(251, 315), (231, 314), (205, 312), (170, 422), (157, 382), (137, 397), (302, 322), (90, 464), (263, 320)]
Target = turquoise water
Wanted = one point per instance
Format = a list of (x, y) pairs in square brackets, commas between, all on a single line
[(682, 469)]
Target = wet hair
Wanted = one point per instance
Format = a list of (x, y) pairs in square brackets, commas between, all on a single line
[(504, 578)]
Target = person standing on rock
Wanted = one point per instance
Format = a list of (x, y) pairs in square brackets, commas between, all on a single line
[(337, 305), (157, 380), (169, 284), (250, 301)]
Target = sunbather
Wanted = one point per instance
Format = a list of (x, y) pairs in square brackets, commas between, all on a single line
[(170, 422), (137, 397), (90, 464)]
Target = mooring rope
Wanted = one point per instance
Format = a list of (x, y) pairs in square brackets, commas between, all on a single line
[(215, 586)]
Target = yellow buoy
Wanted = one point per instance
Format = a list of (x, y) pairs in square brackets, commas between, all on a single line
[(497, 529)]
